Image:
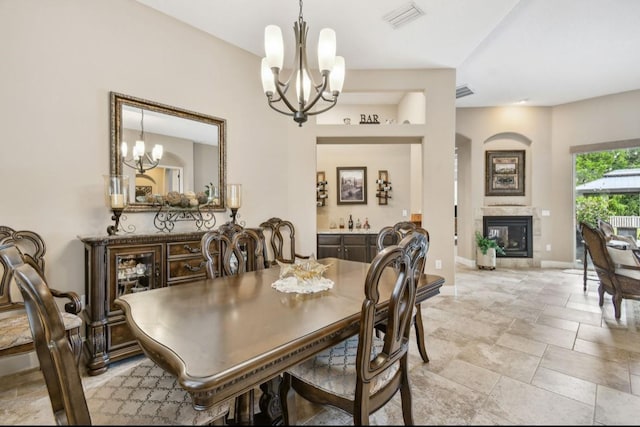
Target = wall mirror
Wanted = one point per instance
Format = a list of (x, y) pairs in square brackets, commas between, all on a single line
[(193, 157)]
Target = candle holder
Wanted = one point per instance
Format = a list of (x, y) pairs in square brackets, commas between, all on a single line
[(113, 229), (234, 199), (117, 198)]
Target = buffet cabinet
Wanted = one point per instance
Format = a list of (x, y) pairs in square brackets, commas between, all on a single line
[(121, 264), (352, 246)]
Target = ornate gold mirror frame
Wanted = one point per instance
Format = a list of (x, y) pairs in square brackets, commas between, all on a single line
[(194, 158)]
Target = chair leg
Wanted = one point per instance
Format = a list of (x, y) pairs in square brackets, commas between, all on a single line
[(288, 401), (617, 303), (417, 321), (600, 295), (405, 394)]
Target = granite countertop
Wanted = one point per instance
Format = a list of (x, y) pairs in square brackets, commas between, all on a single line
[(346, 231)]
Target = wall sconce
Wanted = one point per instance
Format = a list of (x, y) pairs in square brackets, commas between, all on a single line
[(384, 187), (321, 191), (234, 199), (117, 198)]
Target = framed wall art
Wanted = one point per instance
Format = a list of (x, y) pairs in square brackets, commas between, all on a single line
[(504, 173), (352, 185)]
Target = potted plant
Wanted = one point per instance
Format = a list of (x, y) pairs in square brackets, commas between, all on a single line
[(486, 252)]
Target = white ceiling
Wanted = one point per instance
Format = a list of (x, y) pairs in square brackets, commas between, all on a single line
[(547, 52)]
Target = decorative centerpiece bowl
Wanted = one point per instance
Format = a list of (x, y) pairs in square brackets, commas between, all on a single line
[(304, 270), (303, 276)]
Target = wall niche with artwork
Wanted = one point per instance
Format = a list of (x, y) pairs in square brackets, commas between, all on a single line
[(339, 158)]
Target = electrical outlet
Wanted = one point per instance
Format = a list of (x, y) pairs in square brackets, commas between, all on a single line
[(438, 264), (404, 213), (548, 247)]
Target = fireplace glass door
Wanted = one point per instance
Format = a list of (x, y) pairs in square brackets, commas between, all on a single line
[(512, 233)]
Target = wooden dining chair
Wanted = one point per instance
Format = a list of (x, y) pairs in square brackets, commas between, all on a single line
[(618, 280), (361, 374), (145, 394), (391, 235), (281, 237), (243, 253), (15, 337), (213, 246)]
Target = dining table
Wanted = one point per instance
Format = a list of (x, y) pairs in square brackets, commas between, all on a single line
[(224, 337)]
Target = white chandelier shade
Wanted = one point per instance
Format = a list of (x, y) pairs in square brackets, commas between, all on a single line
[(308, 93)]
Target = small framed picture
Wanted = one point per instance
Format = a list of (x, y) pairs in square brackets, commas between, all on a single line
[(352, 185), (504, 173)]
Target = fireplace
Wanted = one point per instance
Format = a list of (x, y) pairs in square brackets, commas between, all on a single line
[(512, 233)]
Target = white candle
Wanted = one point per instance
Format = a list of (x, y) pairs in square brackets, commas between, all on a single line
[(117, 200), (234, 195)]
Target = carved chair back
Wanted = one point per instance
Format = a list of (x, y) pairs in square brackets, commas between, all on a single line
[(245, 252), (393, 234), (281, 237), (213, 246), (33, 249), (222, 250)]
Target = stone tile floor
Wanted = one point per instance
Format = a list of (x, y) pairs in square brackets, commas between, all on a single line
[(506, 347)]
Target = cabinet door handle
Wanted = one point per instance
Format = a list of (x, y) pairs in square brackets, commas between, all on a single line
[(192, 268), (190, 249)]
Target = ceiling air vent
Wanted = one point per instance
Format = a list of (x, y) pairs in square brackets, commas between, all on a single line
[(463, 90), (403, 15)]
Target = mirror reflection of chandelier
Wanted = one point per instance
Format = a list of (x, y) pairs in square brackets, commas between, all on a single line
[(332, 70), (140, 160)]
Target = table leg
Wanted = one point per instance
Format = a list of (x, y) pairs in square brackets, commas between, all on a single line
[(243, 413), (584, 273)]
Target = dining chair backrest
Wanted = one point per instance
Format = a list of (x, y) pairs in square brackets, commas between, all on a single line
[(393, 235), (213, 246), (33, 248), (245, 252), (280, 235), (596, 243)]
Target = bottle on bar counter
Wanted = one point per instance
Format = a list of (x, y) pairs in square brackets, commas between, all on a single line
[(350, 223)]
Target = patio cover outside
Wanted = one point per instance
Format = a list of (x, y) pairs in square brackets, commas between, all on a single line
[(620, 181)]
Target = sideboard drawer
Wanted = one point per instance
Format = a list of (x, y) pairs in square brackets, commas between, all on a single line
[(183, 248), (186, 269)]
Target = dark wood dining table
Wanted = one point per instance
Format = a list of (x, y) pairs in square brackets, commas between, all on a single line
[(223, 337)]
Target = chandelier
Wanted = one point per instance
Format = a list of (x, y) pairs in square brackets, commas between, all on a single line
[(140, 160), (331, 68)]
